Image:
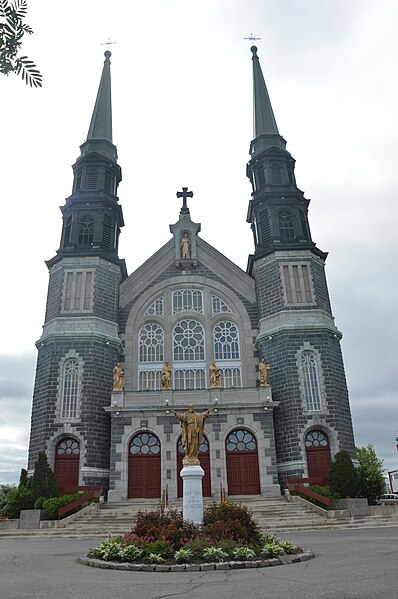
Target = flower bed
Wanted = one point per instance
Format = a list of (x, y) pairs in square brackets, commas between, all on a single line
[(228, 535)]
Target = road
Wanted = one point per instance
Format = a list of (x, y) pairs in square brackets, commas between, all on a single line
[(348, 564)]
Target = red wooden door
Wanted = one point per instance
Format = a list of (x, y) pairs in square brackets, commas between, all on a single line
[(318, 455), (242, 463), (144, 466), (204, 457), (67, 458)]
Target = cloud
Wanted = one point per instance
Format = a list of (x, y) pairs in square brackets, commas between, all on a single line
[(16, 383)]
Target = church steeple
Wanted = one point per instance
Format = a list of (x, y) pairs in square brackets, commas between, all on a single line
[(278, 211), (92, 217), (264, 119)]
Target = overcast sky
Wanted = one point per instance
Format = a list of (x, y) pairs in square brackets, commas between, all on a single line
[(182, 116)]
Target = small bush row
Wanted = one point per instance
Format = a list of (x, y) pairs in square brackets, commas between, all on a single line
[(118, 549)]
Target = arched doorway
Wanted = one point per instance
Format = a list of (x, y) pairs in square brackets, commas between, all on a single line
[(204, 457), (318, 454), (242, 463), (144, 466), (67, 458)]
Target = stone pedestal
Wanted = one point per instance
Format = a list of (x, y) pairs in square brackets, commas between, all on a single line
[(192, 503)]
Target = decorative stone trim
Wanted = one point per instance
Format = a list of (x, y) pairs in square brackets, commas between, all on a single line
[(283, 560)]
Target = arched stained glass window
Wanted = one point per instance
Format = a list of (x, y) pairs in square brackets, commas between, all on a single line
[(316, 439), (309, 368), (68, 447), (70, 388), (241, 440), (189, 341), (145, 444), (150, 340), (226, 341)]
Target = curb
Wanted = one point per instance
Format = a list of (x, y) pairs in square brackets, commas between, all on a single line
[(284, 560)]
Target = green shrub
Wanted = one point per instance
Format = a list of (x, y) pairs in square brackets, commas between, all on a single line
[(39, 503), (19, 499), (230, 520), (53, 504), (343, 478), (43, 482), (5, 493), (23, 479), (370, 474)]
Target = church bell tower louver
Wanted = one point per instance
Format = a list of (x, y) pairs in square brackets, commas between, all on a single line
[(297, 334)]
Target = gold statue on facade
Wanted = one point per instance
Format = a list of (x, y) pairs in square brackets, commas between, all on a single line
[(214, 376), (166, 376), (263, 369), (118, 378), (192, 426)]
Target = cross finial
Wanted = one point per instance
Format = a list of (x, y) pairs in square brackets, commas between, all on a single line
[(109, 43), (184, 194), (252, 38)]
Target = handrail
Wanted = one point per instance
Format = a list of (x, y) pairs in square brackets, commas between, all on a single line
[(95, 492), (293, 484)]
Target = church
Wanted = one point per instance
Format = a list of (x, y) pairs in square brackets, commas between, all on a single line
[(120, 353)]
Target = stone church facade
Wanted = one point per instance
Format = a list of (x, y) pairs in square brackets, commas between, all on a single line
[(190, 308)]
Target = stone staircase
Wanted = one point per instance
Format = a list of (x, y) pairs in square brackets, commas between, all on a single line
[(274, 515)]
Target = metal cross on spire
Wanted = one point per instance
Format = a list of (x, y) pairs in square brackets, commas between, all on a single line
[(109, 43), (252, 38), (184, 194)]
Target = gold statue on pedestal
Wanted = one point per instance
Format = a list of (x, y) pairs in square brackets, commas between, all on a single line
[(118, 378), (263, 368), (192, 426)]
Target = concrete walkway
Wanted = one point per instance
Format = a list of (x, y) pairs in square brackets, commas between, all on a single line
[(348, 564)]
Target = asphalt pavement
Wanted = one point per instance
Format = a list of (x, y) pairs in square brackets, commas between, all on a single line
[(348, 564)]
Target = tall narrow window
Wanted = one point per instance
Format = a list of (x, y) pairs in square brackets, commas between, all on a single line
[(189, 341), (70, 388), (264, 226), (151, 342), (226, 341), (309, 370), (286, 227), (86, 230)]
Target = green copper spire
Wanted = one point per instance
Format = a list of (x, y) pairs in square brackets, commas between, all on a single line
[(99, 137), (101, 121), (264, 120)]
